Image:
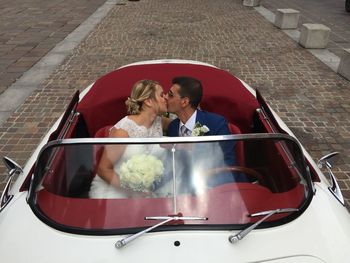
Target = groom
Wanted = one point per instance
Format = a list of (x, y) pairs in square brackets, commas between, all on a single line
[(183, 99)]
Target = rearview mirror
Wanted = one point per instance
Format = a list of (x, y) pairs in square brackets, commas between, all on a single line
[(325, 160), (334, 187), (12, 166), (13, 169)]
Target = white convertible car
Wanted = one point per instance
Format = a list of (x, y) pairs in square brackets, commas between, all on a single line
[(285, 210)]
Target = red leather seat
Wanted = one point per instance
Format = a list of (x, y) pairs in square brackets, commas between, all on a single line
[(98, 149), (103, 132), (239, 145)]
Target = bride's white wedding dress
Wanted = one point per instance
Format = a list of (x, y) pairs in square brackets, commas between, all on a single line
[(100, 188)]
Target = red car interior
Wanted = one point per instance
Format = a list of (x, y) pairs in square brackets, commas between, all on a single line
[(224, 94), (238, 199)]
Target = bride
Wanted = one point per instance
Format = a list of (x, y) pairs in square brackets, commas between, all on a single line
[(145, 106)]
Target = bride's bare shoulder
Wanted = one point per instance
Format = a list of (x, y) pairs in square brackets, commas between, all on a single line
[(118, 133)]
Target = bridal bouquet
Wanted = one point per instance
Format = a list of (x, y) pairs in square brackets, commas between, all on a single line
[(199, 129), (141, 172)]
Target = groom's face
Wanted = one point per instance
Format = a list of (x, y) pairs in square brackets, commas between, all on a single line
[(174, 99)]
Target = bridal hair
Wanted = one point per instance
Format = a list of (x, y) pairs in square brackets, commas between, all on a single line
[(142, 90)]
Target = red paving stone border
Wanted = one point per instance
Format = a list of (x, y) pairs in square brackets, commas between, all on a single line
[(309, 97)]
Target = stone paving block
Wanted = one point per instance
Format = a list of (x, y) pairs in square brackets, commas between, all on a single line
[(314, 35), (311, 13), (251, 3), (344, 66), (2, 88), (287, 18)]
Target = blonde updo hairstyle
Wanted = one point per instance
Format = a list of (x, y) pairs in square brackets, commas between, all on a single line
[(142, 90)]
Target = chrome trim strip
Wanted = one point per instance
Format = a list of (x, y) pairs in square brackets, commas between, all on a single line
[(265, 117), (171, 140), (168, 61)]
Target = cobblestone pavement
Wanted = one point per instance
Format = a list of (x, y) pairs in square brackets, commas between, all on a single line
[(328, 12), (312, 99), (31, 28)]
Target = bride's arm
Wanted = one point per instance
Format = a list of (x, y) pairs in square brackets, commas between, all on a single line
[(110, 156)]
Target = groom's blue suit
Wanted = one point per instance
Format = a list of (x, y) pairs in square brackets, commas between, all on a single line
[(217, 126), (216, 123)]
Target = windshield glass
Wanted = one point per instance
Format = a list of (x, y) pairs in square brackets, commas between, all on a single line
[(115, 185)]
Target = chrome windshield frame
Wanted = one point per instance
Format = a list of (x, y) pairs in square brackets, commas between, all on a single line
[(31, 198), (164, 140), (171, 140)]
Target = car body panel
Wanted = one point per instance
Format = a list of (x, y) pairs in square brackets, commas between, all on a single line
[(281, 242), (321, 233)]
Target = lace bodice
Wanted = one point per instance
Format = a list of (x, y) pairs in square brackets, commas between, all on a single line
[(101, 189), (136, 131)]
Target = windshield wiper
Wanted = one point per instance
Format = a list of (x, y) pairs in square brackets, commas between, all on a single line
[(240, 235), (121, 243)]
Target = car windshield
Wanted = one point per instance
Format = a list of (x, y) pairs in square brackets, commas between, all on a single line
[(117, 185)]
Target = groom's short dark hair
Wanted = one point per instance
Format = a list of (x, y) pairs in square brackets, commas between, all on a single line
[(190, 88)]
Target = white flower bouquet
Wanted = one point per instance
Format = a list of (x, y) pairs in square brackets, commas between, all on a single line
[(141, 172), (199, 129)]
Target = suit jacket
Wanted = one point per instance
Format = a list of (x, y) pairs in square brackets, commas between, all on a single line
[(217, 125)]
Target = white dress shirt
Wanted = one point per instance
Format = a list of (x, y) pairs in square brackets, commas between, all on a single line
[(190, 122)]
